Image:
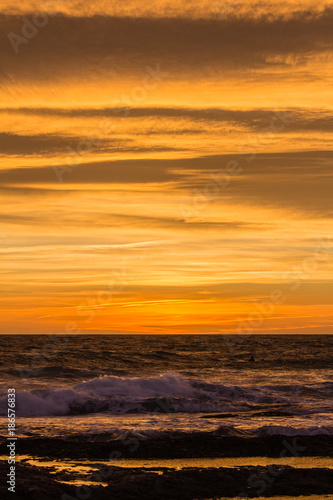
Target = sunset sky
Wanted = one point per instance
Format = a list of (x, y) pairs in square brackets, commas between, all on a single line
[(166, 166)]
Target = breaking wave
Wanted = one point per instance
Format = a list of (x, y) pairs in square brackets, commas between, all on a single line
[(167, 393)]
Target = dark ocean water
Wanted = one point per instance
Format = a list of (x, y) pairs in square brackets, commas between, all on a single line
[(157, 383)]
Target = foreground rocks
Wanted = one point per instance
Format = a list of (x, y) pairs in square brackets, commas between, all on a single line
[(181, 445), (37, 483), (167, 484)]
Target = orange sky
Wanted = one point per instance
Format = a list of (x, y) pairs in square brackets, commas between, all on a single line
[(166, 167)]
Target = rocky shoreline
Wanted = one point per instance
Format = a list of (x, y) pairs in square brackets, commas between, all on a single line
[(175, 445), (188, 483), (34, 483)]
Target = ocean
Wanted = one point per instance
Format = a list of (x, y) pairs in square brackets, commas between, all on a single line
[(170, 417), (99, 384)]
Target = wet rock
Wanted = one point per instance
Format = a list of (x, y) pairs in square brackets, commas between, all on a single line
[(187, 484)]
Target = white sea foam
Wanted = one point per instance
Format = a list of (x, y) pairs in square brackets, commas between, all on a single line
[(168, 393)]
